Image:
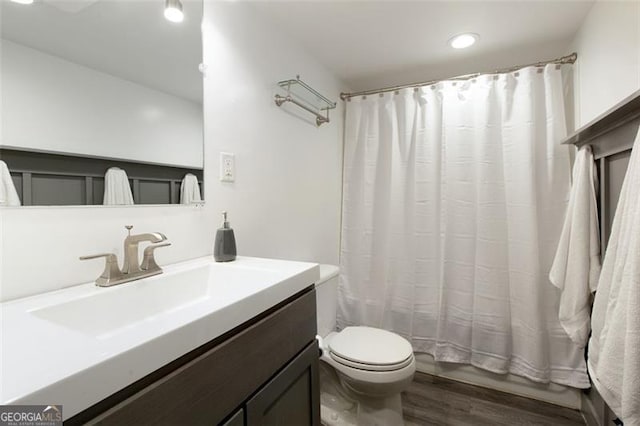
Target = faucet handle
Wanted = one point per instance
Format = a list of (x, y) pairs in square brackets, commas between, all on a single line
[(111, 271), (149, 261), (110, 256)]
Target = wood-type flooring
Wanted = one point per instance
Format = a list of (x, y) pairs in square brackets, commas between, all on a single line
[(432, 400)]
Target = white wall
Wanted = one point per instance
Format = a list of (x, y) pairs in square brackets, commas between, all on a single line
[(608, 65), (51, 104), (285, 202), (41, 245)]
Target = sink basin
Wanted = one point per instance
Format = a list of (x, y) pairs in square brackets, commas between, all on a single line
[(87, 342), (107, 311)]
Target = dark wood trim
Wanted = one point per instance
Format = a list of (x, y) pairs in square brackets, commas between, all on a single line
[(587, 410), (603, 212), (136, 190), (89, 156), (88, 187), (26, 189), (622, 113), (29, 164), (611, 136), (138, 386), (82, 166), (172, 192)]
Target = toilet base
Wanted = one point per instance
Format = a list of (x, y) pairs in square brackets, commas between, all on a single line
[(342, 407)]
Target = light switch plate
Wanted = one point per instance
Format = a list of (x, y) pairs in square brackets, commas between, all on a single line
[(227, 167)]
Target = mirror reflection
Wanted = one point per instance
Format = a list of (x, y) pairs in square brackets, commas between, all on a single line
[(101, 102)]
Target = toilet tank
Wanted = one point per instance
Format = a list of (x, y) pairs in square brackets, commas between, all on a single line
[(327, 299)]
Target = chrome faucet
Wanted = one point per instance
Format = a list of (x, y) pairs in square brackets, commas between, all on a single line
[(132, 269)]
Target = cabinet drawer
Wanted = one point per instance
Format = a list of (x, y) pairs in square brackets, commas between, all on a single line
[(208, 388)]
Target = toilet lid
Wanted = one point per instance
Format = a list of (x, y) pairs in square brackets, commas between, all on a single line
[(372, 367), (371, 346)]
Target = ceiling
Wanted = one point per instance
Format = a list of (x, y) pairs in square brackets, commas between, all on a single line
[(366, 43), (129, 39), (371, 44)]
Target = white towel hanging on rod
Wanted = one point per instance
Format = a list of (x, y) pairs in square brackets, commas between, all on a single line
[(576, 266), (190, 190), (8, 193), (614, 347), (116, 188)]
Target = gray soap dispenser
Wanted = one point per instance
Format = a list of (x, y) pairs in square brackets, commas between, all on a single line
[(224, 249)]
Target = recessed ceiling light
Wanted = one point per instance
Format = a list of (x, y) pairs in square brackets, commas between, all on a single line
[(173, 11), (23, 1), (462, 41)]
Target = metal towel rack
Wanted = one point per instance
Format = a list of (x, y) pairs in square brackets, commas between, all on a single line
[(304, 96)]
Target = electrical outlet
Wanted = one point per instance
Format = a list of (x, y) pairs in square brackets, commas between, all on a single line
[(227, 167)]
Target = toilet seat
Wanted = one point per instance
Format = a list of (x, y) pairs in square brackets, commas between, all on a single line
[(394, 380), (370, 349), (371, 367)]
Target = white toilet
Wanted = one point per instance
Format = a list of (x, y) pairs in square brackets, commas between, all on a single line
[(373, 366)]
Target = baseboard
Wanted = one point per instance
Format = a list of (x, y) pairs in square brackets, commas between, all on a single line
[(552, 393)]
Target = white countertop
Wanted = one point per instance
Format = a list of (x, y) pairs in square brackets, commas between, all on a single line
[(77, 363)]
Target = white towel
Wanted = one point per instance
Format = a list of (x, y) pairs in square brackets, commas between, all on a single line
[(576, 267), (8, 193), (189, 190), (116, 188), (614, 347)]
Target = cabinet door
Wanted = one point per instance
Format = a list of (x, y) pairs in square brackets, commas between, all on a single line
[(207, 389), (292, 397), (236, 420)]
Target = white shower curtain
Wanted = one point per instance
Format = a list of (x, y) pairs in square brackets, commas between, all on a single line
[(454, 196)]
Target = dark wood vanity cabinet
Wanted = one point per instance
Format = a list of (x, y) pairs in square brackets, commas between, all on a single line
[(264, 372), (291, 397)]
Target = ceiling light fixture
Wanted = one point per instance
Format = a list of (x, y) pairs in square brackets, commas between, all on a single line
[(23, 1), (173, 11), (462, 41)]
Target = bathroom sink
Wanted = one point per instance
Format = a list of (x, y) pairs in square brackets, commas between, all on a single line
[(129, 304), (110, 310), (87, 342)]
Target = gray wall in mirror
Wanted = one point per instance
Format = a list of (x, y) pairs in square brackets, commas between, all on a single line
[(108, 80)]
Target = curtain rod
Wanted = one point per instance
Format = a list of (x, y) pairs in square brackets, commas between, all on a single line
[(569, 59)]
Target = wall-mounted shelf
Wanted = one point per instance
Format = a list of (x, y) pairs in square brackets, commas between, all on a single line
[(612, 131), (304, 96)]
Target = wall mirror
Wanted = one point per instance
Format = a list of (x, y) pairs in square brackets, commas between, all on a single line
[(91, 85)]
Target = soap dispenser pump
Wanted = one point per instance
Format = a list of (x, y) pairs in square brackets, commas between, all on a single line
[(224, 249)]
